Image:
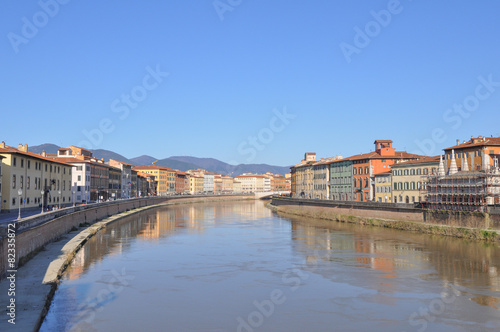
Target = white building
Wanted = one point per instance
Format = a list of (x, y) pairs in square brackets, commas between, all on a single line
[(208, 182), (126, 182)]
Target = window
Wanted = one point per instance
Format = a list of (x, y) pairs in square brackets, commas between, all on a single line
[(406, 186), (400, 172), (21, 182), (28, 182), (412, 172), (405, 172), (14, 161), (79, 178), (419, 171), (13, 182), (354, 170), (366, 170), (22, 163), (426, 171), (29, 164), (412, 186)]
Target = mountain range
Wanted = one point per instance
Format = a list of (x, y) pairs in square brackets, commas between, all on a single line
[(182, 163)]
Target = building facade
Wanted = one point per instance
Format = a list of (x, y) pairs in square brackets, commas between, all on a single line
[(126, 179), (31, 180), (341, 180), (409, 179), (164, 177), (383, 187)]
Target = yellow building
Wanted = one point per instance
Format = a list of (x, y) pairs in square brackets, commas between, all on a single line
[(252, 182), (227, 184), (409, 179), (196, 184), (165, 178), (237, 185), (303, 177), (26, 174), (383, 187)]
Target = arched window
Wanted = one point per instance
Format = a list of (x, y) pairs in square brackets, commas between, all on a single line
[(412, 186), (406, 186), (366, 182), (354, 182), (400, 186), (426, 171), (400, 172), (419, 171), (412, 172), (360, 170)]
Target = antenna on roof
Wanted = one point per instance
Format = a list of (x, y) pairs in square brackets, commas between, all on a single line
[(154, 162)]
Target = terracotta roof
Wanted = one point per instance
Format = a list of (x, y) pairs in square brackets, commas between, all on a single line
[(375, 155), (382, 141), (423, 160), (251, 176), (71, 160), (153, 167), (12, 150), (481, 141), (121, 162), (384, 173)]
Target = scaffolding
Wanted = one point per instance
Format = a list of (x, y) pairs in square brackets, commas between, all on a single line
[(463, 191)]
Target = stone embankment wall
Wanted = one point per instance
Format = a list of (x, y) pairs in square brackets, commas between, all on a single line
[(34, 232), (469, 225)]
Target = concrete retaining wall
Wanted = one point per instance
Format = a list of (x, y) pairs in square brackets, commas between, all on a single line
[(34, 232), (359, 209)]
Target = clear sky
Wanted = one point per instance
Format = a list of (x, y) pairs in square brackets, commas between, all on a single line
[(249, 81)]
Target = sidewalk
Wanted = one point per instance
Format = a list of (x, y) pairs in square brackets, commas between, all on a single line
[(31, 293), (6, 217)]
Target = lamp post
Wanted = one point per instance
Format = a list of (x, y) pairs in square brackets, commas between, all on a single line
[(43, 193), (20, 193), (59, 199), (73, 198)]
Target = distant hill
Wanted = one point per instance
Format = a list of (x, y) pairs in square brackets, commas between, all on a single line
[(176, 164), (218, 166), (143, 160), (48, 148), (182, 163), (107, 155)]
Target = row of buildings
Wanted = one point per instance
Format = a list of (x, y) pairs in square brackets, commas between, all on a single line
[(466, 177), (74, 176)]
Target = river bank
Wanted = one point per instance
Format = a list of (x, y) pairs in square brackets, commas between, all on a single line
[(37, 277), (327, 213)]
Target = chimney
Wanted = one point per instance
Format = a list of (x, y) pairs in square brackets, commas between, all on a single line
[(2, 145), (23, 148), (44, 154), (458, 141)]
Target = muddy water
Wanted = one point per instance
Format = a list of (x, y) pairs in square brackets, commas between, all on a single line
[(240, 267)]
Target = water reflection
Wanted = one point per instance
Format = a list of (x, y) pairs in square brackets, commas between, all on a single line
[(204, 266), (465, 264)]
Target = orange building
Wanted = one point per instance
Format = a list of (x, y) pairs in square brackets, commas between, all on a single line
[(478, 152), (367, 165), (180, 182)]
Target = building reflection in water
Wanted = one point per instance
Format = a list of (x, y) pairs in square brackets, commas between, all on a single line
[(396, 254), (156, 224)]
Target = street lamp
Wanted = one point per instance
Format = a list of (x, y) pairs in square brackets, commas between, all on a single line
[(43, 193), (20, 193), (73, 198), (59, 199)]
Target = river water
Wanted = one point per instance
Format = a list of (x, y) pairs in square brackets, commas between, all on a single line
[(237, 266)]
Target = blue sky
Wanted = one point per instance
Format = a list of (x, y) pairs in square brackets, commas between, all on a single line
[(249, 81)]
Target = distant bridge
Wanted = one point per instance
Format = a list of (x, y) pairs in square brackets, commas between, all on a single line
[(264, 194)]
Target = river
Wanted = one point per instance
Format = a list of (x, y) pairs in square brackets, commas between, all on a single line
[(238, 266)]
